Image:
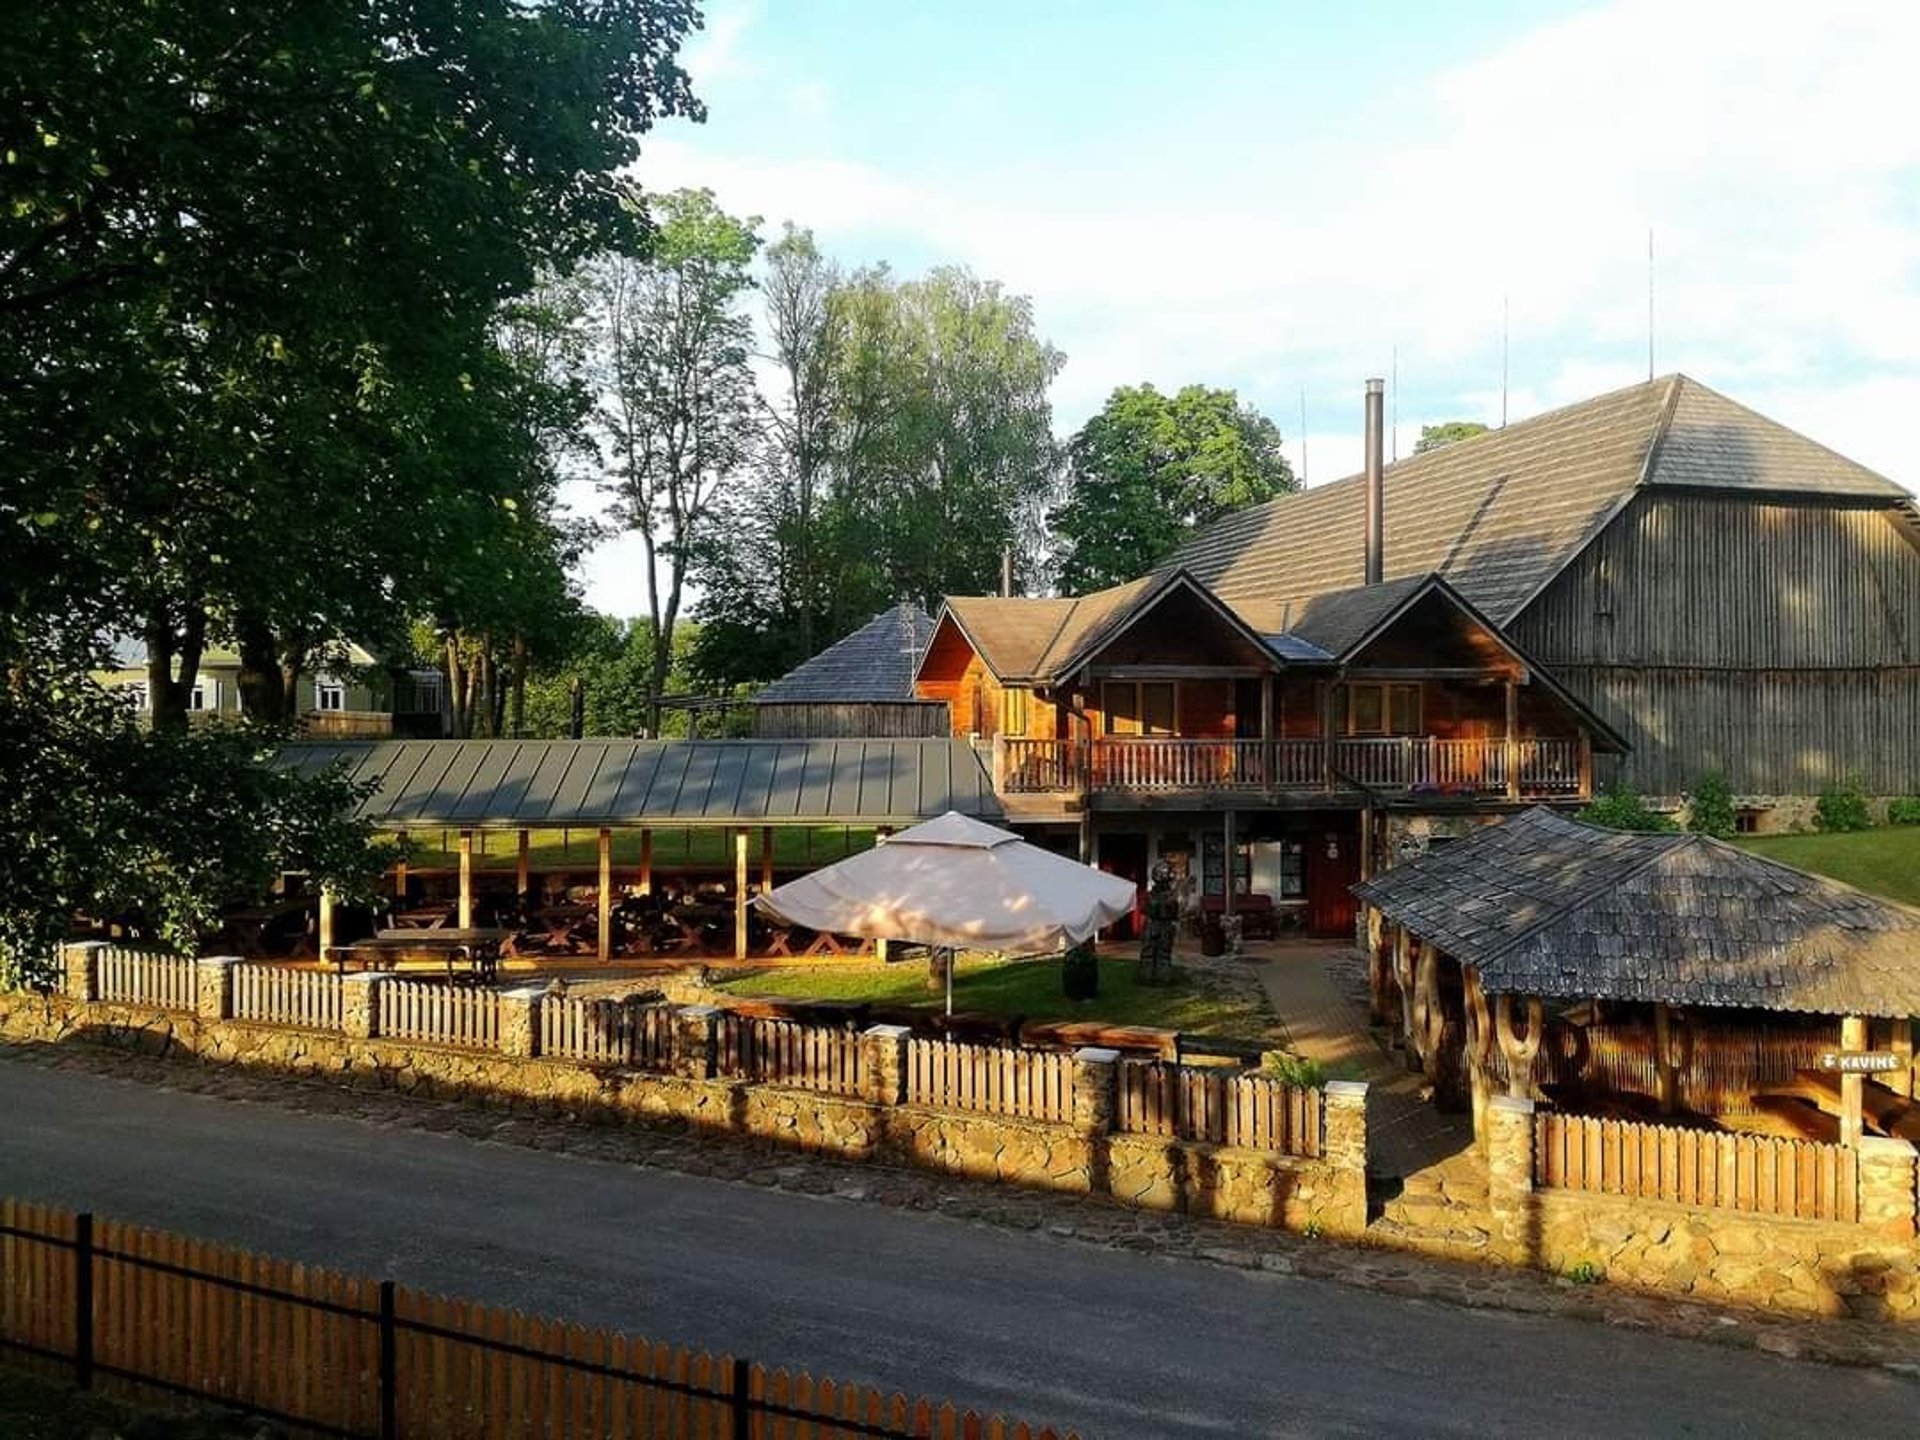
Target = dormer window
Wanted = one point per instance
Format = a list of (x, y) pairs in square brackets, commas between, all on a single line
[(1383, 709)]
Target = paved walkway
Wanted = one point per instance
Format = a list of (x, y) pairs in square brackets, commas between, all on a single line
[(1318, 989)]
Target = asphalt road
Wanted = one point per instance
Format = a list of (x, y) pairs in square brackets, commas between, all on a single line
[(1116, 1344)]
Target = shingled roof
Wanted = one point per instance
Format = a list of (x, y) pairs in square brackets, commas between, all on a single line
[(532, 784), (1501, 514), (875, 663), (1545, 905)]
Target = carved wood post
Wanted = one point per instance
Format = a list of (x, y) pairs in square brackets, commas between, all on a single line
[(1669, 1044), (1519, 1050), (1853, 1036), (1479, 1050), (1403, 978), (1376, 965)]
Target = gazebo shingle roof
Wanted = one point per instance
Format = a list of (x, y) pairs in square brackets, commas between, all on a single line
[(1545, 905)]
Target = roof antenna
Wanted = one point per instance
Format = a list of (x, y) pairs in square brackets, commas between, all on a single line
[(1393, 391), (1303, 437), (1503, 362), (1649, 302)]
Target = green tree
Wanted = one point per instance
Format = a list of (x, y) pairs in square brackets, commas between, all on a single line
[(1433, 437), (1149, 469), (680, 411), (1710, 811)]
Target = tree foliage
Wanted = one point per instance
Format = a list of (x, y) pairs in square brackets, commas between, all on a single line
[(1710, 808), (1619, 808), (1434, 437), (1149, 469), (255, 262)]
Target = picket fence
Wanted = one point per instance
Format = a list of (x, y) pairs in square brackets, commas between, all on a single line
[(336, 1354), (1216, 1107), (1759, 1174), (146, 977), (993, 1080), (631, 1034), (786, 1052), (276, 995), (440, 1014)]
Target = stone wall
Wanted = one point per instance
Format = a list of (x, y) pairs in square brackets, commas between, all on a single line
[(1081, 1156), (1870, 1269)]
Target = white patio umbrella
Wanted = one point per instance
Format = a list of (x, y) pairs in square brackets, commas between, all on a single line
[(956, 881)]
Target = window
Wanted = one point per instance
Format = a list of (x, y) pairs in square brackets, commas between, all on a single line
[(1139, 707), (329, 694), (206, 695), (1383, 709), (1293, 870)]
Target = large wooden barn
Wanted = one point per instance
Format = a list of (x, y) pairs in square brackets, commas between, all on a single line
[(1722, 591)]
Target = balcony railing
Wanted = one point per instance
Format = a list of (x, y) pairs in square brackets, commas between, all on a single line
[(1413, 764)]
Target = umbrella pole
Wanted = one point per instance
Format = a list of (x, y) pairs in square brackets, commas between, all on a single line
[(950, 959)]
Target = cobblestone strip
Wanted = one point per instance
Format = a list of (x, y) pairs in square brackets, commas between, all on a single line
[(1064, 1218)]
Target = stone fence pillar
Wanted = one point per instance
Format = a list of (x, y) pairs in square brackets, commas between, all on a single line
[(1887, 1187), (80, 962), (520, 1021), (360, 1005), (883, 1064), (1096, 1104), (213, 986), (1344, 1150), (1509, 1151), (694, 1028)]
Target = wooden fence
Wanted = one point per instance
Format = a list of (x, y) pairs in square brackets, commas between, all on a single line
[(146, 977), (1760, 1174), (634, 1035), (440, 1014), (990, 1079), (786, 1052), (339, 1355), (1219, 1107), (1727, 1066), (276, 995)]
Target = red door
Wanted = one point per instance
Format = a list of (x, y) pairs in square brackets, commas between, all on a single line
[(1126, 856), (1333, 865)]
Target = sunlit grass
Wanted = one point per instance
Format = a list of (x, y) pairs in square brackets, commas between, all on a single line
[(1886, 861)]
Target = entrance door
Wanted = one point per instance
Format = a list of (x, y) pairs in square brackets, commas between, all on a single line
[(1126, 856), (1333, 864)]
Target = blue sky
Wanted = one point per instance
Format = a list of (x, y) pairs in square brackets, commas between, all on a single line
[(1278, 197)]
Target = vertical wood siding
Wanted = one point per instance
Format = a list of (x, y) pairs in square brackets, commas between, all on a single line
[(1778, 642)]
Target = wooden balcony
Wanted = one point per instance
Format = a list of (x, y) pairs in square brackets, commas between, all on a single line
[(1400, 766)]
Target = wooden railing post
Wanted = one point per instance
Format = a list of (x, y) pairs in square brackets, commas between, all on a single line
[(83, 1300), (740, 1387)]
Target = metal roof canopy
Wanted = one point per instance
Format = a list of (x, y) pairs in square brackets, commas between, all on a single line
[(554, 784)]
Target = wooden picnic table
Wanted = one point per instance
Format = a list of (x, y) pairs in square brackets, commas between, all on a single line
[(478, 948), (423, 917)]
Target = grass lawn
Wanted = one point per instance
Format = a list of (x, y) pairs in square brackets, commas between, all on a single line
[(1198, 1003), (1884, 861), (673, 848)]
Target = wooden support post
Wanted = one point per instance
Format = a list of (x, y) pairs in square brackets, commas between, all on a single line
[(466, 879), (1513, 740), (523, 866), (326, 921), (1518, 1049), (1376, 965), (400, 867), (1853, 1036), (1900, 1041), (740, 894), (1403, 981), (1367, 825), (1269, 752), (1586, 766), (1328, 706), (604, 946), (766, 858), (1666, 1071), (1479, 1050), (646, 862)]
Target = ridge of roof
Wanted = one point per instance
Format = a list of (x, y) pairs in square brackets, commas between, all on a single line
[(875, 662)]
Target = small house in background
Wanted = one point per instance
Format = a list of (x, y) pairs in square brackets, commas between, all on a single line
[(350, 693), (857, 688)]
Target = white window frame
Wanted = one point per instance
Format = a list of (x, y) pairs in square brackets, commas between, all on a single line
[(329, 695), (205, 696)]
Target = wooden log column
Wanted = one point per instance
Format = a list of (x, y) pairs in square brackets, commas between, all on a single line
[(400, 866), (326, 921), (1519, 1050), (646, 862), (1666, 1058), (740, 894), (604, 946), (1403, 980), (1479, 1051), (466, 879), (1376, 966), (766, 858), (1900, 1041), (1853, 1037), (1513, 740), (1430, 1016), (523, 865)]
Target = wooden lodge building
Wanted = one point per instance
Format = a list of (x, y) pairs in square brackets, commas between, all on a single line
[(1643, 587)]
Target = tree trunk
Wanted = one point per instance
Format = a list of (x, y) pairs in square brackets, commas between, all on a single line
[(519, 726), (576, 708), (456, 685), (264, 693), (167, 693)]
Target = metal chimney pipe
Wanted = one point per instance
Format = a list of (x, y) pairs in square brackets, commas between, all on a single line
[(1006, 570), (1376, 497)]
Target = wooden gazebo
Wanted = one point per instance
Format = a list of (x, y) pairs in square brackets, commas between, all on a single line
[(1675, 962), (744, 788)]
